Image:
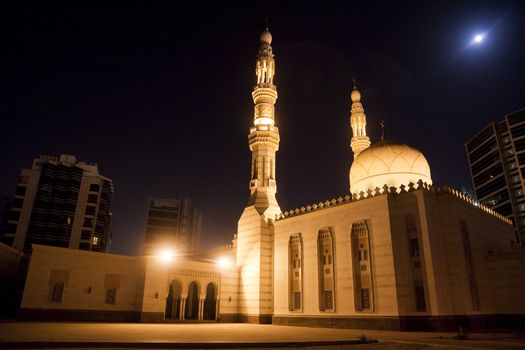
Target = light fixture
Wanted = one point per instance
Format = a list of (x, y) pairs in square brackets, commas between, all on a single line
[(166, 255), (224, 262)]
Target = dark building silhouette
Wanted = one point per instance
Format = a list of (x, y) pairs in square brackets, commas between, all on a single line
[(172, 223), (61, 202), (496, 157), (5, 207)]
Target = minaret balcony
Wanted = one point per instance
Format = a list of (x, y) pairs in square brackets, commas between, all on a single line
[(264, 93), (263, 134)]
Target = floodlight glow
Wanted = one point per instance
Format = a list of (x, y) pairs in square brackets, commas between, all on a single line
[(263, 121), (166, 255), (223, 262)]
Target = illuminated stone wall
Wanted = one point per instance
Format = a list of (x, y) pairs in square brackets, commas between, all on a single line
[(432, 254), (70, 284)]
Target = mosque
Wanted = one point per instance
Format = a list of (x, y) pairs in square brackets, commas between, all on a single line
[(395, 253)]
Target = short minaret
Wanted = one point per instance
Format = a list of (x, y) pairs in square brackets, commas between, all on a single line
[(264, 135), (360, 140), (255, 230)]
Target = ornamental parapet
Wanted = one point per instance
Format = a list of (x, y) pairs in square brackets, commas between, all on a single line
[(268, 93), (263, 134), (389, 190), (469, 200)]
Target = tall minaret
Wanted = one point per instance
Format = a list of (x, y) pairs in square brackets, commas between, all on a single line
[(360, 140), (255, 230), (264, 135)]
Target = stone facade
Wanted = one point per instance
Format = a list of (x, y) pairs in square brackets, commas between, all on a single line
[(76, 285), (432, 259)]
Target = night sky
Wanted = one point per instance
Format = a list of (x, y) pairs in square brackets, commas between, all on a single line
[(160, 97)]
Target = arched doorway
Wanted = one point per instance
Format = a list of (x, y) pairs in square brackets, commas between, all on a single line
[(173, 300), (192, 302), (210, 303)]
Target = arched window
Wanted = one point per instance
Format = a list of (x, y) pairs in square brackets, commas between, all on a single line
[(191, 310), (362, 266), (173, 301), (210, 303), (295, 274), (325, 262)]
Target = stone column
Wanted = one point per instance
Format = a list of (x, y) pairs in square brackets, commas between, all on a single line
[(182, 308), (217, 304), (201, 309)]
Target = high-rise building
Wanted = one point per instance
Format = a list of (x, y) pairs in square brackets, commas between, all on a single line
[(172, 223), (61, 202), (496, 157)]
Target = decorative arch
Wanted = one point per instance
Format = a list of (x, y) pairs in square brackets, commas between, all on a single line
[(191, 310), (173, 300), (295, 272), (325, 263), (210, 302)]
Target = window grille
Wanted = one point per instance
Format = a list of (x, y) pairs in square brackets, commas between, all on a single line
[(365, 298), (111, 296), (328, 300), (297, 300), (57, 291)]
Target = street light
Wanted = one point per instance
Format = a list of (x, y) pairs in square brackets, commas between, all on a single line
[(223, 262), (166, 255)]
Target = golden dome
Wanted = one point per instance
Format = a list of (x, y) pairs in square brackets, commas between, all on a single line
[(266, 37), (388, 163), (355, 96)]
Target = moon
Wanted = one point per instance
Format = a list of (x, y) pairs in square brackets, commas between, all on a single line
[(478, 38)]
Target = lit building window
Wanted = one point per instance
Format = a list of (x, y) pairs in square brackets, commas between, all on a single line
[(95, 240)]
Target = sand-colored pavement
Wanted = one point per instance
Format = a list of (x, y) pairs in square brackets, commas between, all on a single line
[(75, 334)]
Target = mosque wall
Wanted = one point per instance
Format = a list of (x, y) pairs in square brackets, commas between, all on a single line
[(484, 257), (381, 298), (437, 261), (73, 284)]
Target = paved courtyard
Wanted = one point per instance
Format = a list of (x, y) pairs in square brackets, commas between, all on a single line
[(212, 335)]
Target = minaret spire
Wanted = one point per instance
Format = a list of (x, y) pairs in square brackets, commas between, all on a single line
[(264, 135), (360, 140)]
